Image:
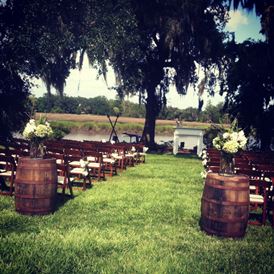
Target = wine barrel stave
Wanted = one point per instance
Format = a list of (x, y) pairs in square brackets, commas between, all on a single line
[(225, 205), (35, 186)]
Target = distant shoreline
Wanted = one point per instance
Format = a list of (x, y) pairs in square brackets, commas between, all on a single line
[(104, 119), (99, 124)]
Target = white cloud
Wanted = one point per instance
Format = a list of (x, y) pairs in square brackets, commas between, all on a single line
[(237, 18)]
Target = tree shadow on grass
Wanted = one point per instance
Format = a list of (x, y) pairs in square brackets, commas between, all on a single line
[(61, 200), (12, 221), (186, 156)]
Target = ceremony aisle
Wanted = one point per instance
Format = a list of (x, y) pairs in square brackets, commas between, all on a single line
[(145, 220)]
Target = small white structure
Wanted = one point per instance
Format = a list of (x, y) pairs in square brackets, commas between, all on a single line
[(190, 136)]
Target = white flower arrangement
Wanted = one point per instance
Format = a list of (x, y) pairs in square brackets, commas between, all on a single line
[(203, 174), (203, 155), (204, 163), (230, 142), (37, 130), (145, 149)]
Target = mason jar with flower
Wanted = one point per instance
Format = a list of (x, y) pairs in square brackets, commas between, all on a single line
[(37, 132), (229, 143)]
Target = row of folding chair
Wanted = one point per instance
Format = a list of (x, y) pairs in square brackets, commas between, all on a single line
[(261, 181), (76, 161), (121, 153), (7, 174), (9, 155), (259, 166), (99, 159)]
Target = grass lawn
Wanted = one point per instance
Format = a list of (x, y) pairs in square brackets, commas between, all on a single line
[(146, 220)]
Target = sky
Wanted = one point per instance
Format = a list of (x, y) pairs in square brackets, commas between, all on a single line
[(85, 83)]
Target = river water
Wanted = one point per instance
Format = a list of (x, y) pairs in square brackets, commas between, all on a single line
[(189, 141), (159, 139), (80, 136)]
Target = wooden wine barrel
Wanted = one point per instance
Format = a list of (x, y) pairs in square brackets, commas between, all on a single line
[(225, 205), (35, 186)]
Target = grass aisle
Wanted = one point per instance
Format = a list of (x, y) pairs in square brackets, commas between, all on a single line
[(144, 221)]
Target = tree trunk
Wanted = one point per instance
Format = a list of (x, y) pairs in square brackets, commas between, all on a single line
[(148, 136), (48, 87)]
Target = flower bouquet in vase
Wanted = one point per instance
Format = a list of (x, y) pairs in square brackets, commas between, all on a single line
[(229, 143), (37, 132)]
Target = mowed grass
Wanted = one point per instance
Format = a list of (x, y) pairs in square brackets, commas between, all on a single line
[(146, 220)]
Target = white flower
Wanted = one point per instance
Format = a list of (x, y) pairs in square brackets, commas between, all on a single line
[(83, 163), (145, 149), (112, 142), (234, 136), (217, 146), (31, 122), (29, 131), (226, 135), (242, 140), (242, 144), (230, 141), (204, 156), (241, 134), (204, 162), (231, 146), (215, 141), (133, 149), (203, 174), (40, 131)]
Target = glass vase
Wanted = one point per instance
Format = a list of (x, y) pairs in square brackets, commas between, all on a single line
[(36, 150), (226, 164)]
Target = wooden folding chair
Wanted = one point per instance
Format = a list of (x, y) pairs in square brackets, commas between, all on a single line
[(77, 152), (7, 173), (95, 164), (77, 172), (253, 175), (268, 172), (260, 201), (63, 178), (270, 175), (120, 158), (259, 194), (213, 165), (110, 164), (141, 153)]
